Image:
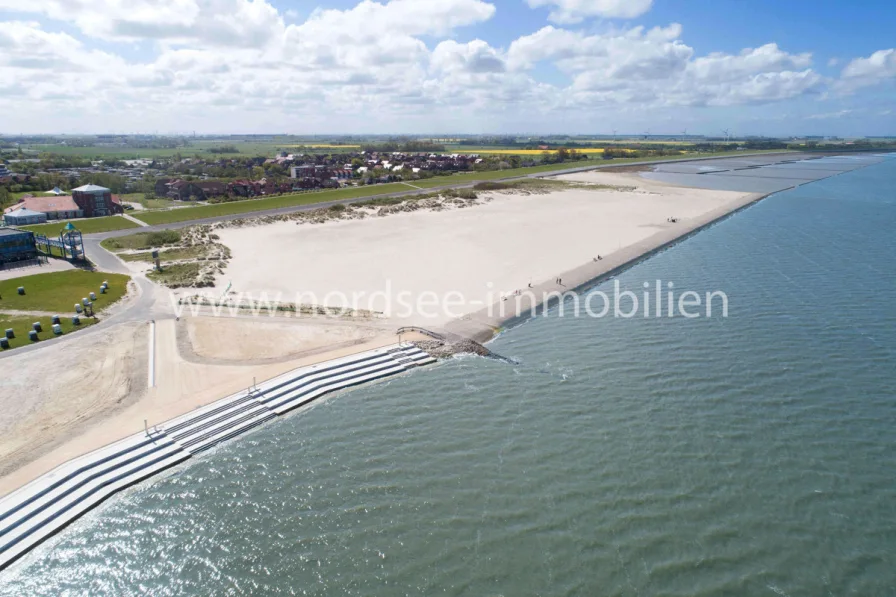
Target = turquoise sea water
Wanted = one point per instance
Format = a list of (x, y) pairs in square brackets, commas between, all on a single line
[(748, 455)]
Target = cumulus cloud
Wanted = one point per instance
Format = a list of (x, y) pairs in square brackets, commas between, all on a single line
[(376, 62), (245, 23), (575, 11), (864, 72), (767, 58), (474, 57), (44, 64), (655, 67), (370, 54)]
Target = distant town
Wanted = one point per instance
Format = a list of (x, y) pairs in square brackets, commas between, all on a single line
[(40, 176)]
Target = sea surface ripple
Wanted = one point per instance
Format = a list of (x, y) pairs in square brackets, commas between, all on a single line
[(747, 455)]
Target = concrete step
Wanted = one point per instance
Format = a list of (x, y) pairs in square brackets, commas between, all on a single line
[(41, 508), (57, 511)]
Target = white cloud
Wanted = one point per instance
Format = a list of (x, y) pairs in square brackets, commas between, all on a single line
[(474, 57), (767, 58), (370, 20), (760, 88), (829, 115), (862, 72), (368, 67), (624, 53), (48, 65), (330, 63), (247, 23), (655, 67), (574, 11)]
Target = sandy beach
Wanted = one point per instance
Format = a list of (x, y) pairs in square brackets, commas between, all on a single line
[(472, 257)]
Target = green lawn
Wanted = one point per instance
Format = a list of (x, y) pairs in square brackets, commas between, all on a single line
[(86, 225), (21, 325), (156, 203), (239, 207), (140, 241), (131, 197), (58, 292), (159, 203)]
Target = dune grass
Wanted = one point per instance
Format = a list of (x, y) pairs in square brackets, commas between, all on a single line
[(177, 275)]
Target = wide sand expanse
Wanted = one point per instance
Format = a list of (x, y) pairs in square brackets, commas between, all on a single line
[(477, 254)]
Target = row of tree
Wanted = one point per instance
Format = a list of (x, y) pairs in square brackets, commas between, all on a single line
[(563, 154), (49, 180), (224, 149), (405, 146)]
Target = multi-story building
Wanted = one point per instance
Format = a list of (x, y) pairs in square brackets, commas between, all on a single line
[(95, 200)]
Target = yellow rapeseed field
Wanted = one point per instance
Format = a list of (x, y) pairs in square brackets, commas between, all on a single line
[(326, 146), (534, 151)]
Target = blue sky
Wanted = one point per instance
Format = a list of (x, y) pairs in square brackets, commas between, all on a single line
[(785, 67)]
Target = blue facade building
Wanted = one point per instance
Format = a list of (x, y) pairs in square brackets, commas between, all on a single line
[(16, 245)]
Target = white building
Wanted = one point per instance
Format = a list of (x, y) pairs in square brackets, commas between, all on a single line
[(24, 217)]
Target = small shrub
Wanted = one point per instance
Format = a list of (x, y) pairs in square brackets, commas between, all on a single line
[(461, 193), (163, 237), (491, 186)]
